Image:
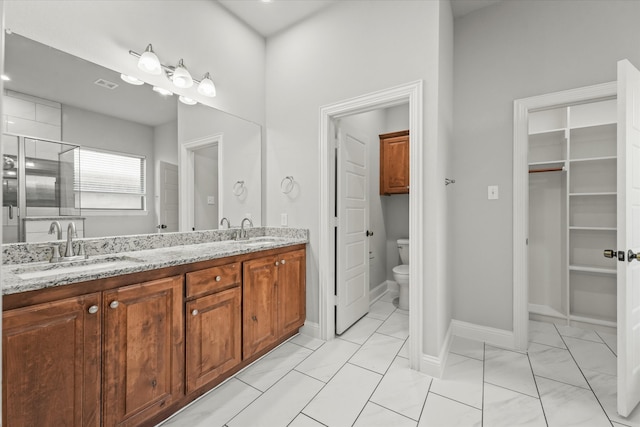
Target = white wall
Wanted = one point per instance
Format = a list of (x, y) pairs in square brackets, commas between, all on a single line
[(351, 49), (94, 130), (512, 50), (103, 32)]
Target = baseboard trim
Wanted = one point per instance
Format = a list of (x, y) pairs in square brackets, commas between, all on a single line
[(378, 291), (310, 329), (434, 366), (492, 336)]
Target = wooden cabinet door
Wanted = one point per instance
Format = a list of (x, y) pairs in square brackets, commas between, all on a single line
[(291, 291), (259, 317), (214, 338), (143, 350), (394, 163), (51, 364)]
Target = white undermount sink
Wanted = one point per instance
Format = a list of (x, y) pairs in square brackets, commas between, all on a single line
[(53, 269), (260, 241)]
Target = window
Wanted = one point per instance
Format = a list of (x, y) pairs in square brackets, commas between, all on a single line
[(107, 180)]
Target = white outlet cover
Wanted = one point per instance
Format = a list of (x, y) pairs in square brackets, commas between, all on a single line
[(211, 200), (492, 192)]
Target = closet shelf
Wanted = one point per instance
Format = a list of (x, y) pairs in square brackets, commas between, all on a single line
[(594, 159), (597, 270), (575, 227), (590, 128), (547, 163), (549, 131), (603, 193)]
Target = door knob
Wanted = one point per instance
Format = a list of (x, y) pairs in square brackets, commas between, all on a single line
[(631, 256), (162, 226), (369, 233), (610, 253)]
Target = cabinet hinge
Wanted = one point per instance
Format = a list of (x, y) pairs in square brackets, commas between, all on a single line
[(336, 221), (335, 300)]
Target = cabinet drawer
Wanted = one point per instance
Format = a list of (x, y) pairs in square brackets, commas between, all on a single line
[(213, 279)]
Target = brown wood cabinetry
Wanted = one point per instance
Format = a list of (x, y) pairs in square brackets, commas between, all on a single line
[(143, 350), (273, 299), (214, 330), (51, 364), (133, 349), (394, 163)]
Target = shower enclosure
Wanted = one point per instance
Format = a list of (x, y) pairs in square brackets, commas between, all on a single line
[(38, 178)]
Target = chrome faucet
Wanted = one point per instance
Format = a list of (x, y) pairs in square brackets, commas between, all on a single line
[(243, 232), (71, 233), (223, 220), (56, 228)]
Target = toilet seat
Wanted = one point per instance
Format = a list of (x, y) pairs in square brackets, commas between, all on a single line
[(401, 269)]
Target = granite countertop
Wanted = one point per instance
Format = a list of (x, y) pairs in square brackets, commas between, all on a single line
[(39, 275)]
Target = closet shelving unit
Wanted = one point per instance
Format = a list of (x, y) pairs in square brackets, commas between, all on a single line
[(572, 213)]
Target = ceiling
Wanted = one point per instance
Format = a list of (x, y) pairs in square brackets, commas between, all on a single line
[(269, 18)]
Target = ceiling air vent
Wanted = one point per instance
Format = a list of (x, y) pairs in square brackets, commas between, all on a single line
[(106, 84)]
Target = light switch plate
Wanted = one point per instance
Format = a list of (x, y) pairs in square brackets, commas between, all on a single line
[(492, 192), (211, 200), (284, 219)]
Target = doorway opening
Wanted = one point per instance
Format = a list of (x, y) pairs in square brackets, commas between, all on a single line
[(412, 94)]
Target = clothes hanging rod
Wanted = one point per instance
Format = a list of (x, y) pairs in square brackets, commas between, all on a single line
[(546, 170)]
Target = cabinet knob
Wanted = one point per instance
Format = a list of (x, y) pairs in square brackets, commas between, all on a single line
[(93, 309), (254, 318), (218, 278), (114, 304), (194, 312), (282, 262), (277, 263)]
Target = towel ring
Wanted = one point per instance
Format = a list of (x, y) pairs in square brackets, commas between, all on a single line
[(287, 184), (238, 188)]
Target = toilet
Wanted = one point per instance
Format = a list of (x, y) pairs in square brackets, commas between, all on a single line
[(401, 274)]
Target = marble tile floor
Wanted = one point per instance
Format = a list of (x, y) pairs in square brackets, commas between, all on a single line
[(362, 379)]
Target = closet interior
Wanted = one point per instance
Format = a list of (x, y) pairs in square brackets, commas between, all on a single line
[(572, 213)]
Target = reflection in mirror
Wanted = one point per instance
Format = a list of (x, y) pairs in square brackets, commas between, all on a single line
[(78, 103)]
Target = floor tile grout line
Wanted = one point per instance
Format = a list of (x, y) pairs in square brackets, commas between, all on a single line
[(390, 410), (605, 343), (424, 404), (585, 377), (484, 362), (544, 413), (510, 389), (302, 413), (457, 401)]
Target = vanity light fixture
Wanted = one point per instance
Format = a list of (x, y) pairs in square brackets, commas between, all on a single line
[(162, 91), (149, 62), (5, 78), (206, 86), (131, 80), (187, 100), (179, 75)]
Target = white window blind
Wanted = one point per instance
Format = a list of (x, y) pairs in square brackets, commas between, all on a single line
[(107, 180)]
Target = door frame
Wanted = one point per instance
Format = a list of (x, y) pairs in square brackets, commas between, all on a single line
[(410, 93), (521, 110), (186, 183)]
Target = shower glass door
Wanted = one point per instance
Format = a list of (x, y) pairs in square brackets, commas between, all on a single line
[(10, 212)]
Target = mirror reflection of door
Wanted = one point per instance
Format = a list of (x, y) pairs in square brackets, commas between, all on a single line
[(205, 197), (168, 203)]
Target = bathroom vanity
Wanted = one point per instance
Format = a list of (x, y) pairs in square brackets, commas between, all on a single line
[(131, 340)]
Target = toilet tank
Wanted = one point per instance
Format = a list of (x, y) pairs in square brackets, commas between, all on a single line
[(403, 248)]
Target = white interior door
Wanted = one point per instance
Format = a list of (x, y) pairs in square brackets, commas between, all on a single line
[(168, 197), (628, 237), (352, 248)]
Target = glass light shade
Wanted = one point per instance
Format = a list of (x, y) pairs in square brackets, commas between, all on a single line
[(131, 80), (206, 86), (181, 76), (187, 100), (149, 62), (162, 91), (5, 78)]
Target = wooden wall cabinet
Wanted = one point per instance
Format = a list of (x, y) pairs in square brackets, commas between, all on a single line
[(273, 299), (51, 364), (394, 163)]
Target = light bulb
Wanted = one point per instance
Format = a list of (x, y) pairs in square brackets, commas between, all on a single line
[(181, 76), (5, 78), (206, 86), (131, 80), (149, 62), (162, 91), (187, 100)]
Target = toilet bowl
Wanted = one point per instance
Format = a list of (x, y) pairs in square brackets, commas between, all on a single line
[(401, 274)]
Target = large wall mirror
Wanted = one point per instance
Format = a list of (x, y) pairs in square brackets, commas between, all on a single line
[(81, 144)]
